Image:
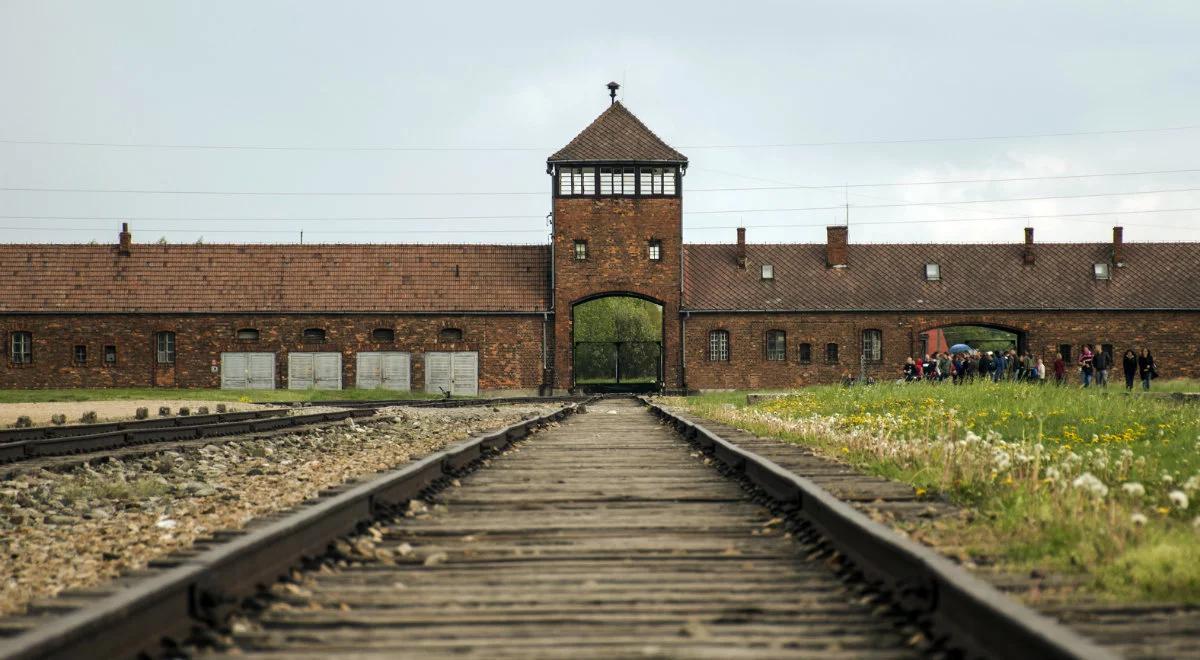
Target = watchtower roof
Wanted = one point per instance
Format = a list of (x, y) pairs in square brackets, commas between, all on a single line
[(617, 135)]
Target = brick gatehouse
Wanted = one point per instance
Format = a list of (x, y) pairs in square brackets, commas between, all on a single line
[(493, 318)]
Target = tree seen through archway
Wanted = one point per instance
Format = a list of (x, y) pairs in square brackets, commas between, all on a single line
[(617, 340)]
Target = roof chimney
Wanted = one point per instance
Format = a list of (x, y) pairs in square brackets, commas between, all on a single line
[(835, 247), (1118, 246), (741, 248), (1027, 252), (125, 240)]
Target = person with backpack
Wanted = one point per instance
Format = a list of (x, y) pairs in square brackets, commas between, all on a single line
[(1129, 364), (1147, 369)]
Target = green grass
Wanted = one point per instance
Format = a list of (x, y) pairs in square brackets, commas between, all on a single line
[(173, 394), (1016, 454)]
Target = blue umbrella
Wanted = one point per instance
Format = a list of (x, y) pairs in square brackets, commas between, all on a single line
[(961, 348)]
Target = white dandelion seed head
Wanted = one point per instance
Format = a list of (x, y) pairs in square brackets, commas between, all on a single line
[(1192, 484), (1178, 498), (1138, 519), (1133, 489), (1089, 483), (1167, 478)]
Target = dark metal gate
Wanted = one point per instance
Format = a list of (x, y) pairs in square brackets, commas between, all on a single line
[(618, 366)]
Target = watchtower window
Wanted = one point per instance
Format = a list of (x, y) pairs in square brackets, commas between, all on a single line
[(655, 250), (576, 181), (617, 181), (658, 181), (580, 250)]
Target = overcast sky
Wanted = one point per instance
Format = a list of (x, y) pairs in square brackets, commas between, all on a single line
[(345, 93)]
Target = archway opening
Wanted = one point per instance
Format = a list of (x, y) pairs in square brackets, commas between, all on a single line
[(617, 342), (979, 337)]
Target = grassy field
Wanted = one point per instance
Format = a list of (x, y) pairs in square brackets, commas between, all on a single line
[(169, 394), (1089, 482)]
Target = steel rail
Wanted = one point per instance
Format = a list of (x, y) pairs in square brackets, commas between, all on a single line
[(972, 614), (200, 588), (439, 403), (254, 422), (43, 432)]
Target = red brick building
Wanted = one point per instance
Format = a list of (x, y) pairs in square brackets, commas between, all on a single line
[(468, 318)]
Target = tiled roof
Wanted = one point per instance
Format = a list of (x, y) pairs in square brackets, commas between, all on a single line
[(274, 278), (617, 135), (974, 277)]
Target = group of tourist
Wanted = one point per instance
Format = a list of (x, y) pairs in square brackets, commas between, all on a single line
[(968, 366)]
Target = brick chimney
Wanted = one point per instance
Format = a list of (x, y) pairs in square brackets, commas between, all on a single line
[(125, 240), (1118, 246), (1027, 251), (835, 247), (741, 248)]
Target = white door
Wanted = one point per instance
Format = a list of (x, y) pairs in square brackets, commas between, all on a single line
[(395, 371), (248, 371), (456, 373), (322, 371), (368, 371)]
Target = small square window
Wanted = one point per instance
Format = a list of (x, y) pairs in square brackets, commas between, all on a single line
[(655, 250), (580, 250), (806, 353), (110, 355), (1100, 270), (933, 272), (248, 334), (80, 355), (768, 272)]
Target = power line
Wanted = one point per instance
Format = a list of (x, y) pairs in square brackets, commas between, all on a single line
[(941, 182), (478, 148)]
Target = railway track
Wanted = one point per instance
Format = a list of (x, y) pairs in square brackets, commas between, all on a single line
[(47, 442), (441, 403), (607, 535)]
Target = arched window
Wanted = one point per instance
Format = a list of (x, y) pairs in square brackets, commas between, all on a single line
[(164, 347), (805, 353), (248, 334), (718, 345), (314, 334), (872, 345), (450, 334), (383, 334), (831, 353), (776, 345), (20, 348)]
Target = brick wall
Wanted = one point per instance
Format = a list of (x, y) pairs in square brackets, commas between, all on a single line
[(1174, 338), (617, 231), (509, 347)]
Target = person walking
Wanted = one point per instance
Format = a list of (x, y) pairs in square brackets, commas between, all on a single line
[(1147, 370), (1085, 364), (999, 367), (1060, 369), (1040, 371), (1129, 364), (943, 363), (1100, 362), (910, 370)]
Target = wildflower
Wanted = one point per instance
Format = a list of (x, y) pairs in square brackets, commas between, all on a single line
[(1133, 489), (1137, 519), (1052, 473), (1178, 498), (1087, 481), (1192, 484), (1167, 478)]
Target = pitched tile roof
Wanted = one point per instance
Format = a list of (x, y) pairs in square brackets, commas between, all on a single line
[(974, 277), (274, 278), (617, 135)]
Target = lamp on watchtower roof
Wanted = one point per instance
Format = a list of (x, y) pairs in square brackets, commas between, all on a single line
[(612, 91)]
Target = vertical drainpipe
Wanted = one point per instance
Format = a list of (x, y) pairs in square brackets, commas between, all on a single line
[(682, 314), (547, 372)]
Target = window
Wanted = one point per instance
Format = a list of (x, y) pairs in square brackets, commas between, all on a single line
[(110, 355), (655, 249), (450, 334), (80, 354), (580, 250), (164, 347), (383, 334), (872, 345), (576, 181), (248, 334), (314, 334), (617, 181), (21, 348), (831, 353), (806, 353), (1065, 351), (718, 346), (768, 272), (776, 345), (1100, 271), (658, 181), (933, 272)]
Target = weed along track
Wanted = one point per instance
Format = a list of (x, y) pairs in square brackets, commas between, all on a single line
[(608, 534)]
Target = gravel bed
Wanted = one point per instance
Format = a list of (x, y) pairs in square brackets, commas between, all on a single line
[(89, 524), (114, 410)]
